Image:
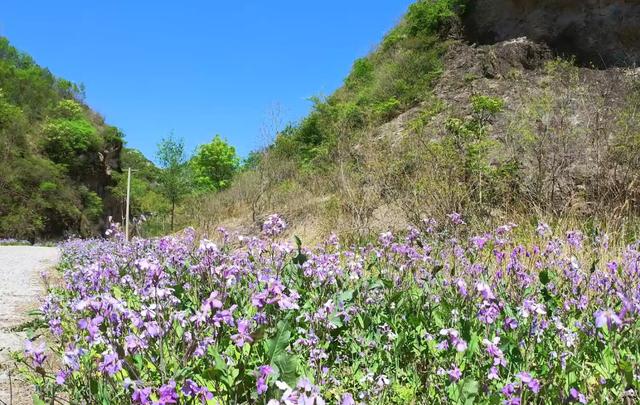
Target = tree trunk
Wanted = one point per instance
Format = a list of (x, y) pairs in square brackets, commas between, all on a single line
[(173, 211)]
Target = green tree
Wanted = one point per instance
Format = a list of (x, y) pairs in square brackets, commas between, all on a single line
[(146, 198), (175, 178), (214, 164)]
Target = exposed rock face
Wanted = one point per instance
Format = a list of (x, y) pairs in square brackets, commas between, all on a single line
[(99, 177), (109, 162), (604, 33)]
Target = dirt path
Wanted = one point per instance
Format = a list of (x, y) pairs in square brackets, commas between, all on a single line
[(20, 291)]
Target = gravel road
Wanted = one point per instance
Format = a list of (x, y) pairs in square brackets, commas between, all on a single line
[(20, 292)]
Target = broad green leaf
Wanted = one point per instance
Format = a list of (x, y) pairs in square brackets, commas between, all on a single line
[(279, 342), (288, 367), (544, 277), (470, 389)]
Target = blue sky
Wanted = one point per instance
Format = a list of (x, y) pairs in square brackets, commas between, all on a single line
[(199, 68)]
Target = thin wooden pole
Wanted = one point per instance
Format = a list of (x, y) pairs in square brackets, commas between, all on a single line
[(126, 227)]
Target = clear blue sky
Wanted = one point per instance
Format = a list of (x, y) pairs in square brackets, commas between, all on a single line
[(198, 68)]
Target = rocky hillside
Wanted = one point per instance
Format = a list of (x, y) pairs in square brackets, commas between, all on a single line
[(57, 156), (600, 33), (494, 108)]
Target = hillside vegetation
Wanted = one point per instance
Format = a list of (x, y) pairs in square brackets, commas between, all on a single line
[(56, 154), (425, 125), (61, 164), (428, 124)]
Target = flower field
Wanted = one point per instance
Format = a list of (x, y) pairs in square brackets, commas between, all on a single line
[(429, 316), (13, 242)]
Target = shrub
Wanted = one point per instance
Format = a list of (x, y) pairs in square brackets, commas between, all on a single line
[(65, 139), (68, 109), (361, 74), (487, 105), (427, 17), (386, 109)]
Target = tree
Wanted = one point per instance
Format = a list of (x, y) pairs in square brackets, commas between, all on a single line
[(174, 177), (146, 198), (214, 164)]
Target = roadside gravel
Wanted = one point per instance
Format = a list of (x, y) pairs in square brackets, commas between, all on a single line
[(20, 291)]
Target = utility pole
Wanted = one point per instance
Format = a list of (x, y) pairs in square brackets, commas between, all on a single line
[(126, 227)]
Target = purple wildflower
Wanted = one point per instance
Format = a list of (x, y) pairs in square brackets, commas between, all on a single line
[(462, 287), (454, 373), (456, 218), (261, 383), (484, 289), (274, 225), (35, 353), (347, 399), (488, 312), (61, 376), (191, 389), (607, 318), (167, 394), (386, 239), (243, 336), (574, 238), (577, 396), (532, 383), (141, 396), (510, 324), (110, 364), (543, 229)]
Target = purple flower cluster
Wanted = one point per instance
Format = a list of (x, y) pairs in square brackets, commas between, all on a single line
[(421, 316)]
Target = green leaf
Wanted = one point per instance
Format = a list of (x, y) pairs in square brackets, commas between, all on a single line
[(474, 343), (387, 283), (544, 277), (93, 386), (220, 363), (466, 330), (470, 389), (287, 366), (300, 259), (627, 370), (345, 296), (37, 400), (279, 342), (453, 392), (336, 321)]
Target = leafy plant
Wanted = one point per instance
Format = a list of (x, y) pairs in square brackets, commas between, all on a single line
[(214, 164)]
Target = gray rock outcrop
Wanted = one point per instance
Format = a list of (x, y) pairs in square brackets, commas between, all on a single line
[(602, 33)]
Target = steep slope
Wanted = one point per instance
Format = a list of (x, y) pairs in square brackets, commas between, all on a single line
[(430, 123), (57, 156)]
